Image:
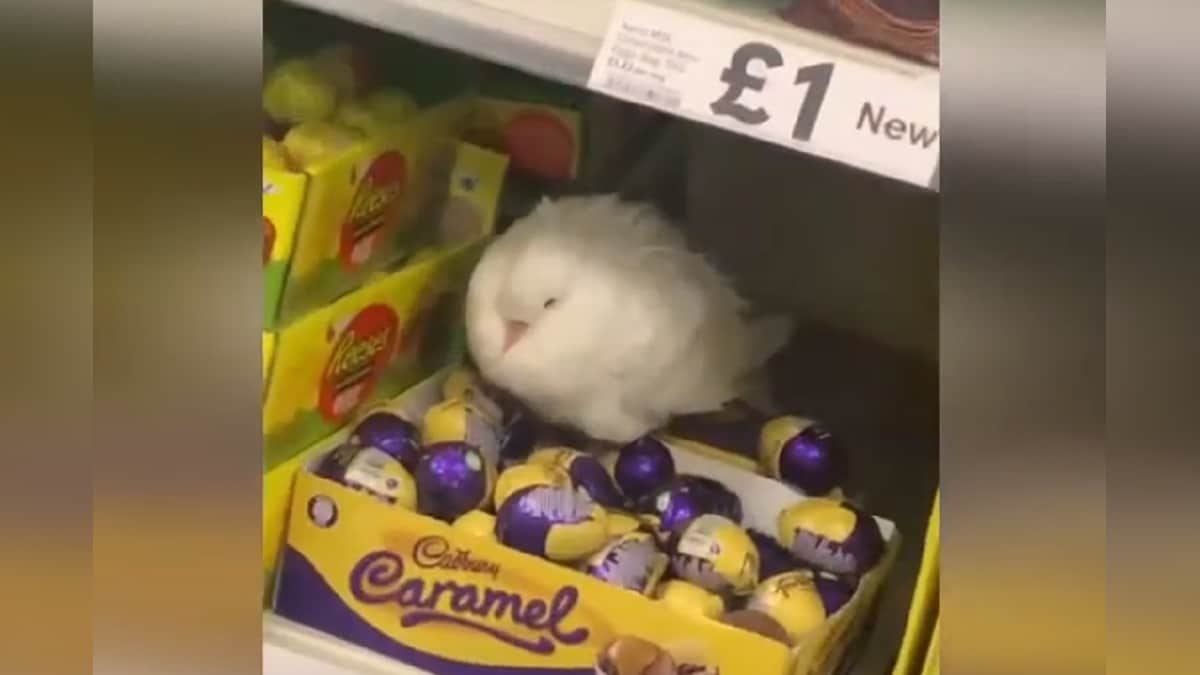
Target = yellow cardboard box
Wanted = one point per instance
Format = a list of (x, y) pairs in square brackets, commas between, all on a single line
[(326, 231), (372, 343), (391, 580), (919, 646)]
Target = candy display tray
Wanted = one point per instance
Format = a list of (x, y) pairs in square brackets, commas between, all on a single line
[(346, 561)]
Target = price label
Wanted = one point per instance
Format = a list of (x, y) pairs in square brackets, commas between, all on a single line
[(764, 86)]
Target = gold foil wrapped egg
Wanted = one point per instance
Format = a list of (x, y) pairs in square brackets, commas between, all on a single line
[(689, 598), (523, 475), (714, 553)]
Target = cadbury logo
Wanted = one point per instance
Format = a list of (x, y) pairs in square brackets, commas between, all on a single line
[(822, 552), (533, 624), (435, 552)]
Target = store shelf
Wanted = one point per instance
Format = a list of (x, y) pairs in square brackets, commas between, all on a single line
[(292, 649), (559, 39)]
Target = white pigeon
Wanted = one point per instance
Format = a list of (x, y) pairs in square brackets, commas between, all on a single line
[(594, 312)]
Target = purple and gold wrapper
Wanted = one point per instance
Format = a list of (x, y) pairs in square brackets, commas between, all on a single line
[(392, 434), (686, 497), (831, 536), (802, 454), (689, 598), (371, 470), (524, 475), (459, 420), (586, 472), (717, 555), (453, 478), (642, 467), (801, 600), (631, 561), (556, 523), (772, 558)]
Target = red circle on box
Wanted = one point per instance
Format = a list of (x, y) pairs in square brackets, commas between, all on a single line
[(360, 353), (541, 144), (374, 209)]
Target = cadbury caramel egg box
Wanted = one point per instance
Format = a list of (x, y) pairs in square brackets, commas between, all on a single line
[(444, 599)]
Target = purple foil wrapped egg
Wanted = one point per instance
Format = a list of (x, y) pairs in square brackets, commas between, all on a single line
[(586, 473), (773, 559), (672, 508), (721, 499), (835, 592), (392, 434), (642, 467), (803, 454), (453, 478), (368, 469), (557, 523), (632, 561), (832, 536)]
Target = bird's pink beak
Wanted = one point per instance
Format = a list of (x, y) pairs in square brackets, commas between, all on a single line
[(513, 332)]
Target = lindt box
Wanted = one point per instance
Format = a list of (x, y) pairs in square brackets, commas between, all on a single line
[(447, 601)]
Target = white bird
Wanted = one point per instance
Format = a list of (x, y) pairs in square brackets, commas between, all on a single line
[(595, 313)]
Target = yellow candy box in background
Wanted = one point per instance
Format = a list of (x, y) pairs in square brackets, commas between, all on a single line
[(353, 182), (373, 342)]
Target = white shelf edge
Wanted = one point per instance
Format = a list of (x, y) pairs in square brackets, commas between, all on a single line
[(559, 39), (292, 649), (521, 34)]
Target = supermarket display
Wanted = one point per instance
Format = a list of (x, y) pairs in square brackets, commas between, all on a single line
[(360, 171), (501, 414), (347, 565), (543, 293)]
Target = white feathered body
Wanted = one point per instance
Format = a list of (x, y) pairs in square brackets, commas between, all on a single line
[(627, 327)]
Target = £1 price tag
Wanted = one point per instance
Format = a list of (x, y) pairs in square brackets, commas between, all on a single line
[(882, 120)]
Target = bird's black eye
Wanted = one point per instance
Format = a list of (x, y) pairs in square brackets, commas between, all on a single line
[(549, 303)]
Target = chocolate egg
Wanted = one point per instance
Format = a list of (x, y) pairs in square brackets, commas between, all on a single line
[(757, 622), (630, 655), (802, 454), (831, 536), (690, 599), (642, 467), (371, 470), (523, 475), (453, 478), (464, 421), (632, 561), (620, 523), (772, 558), (477, 524), (586, 472), (801, 600), (714, 553), (556, 523), (686, 497), (392, 434)]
